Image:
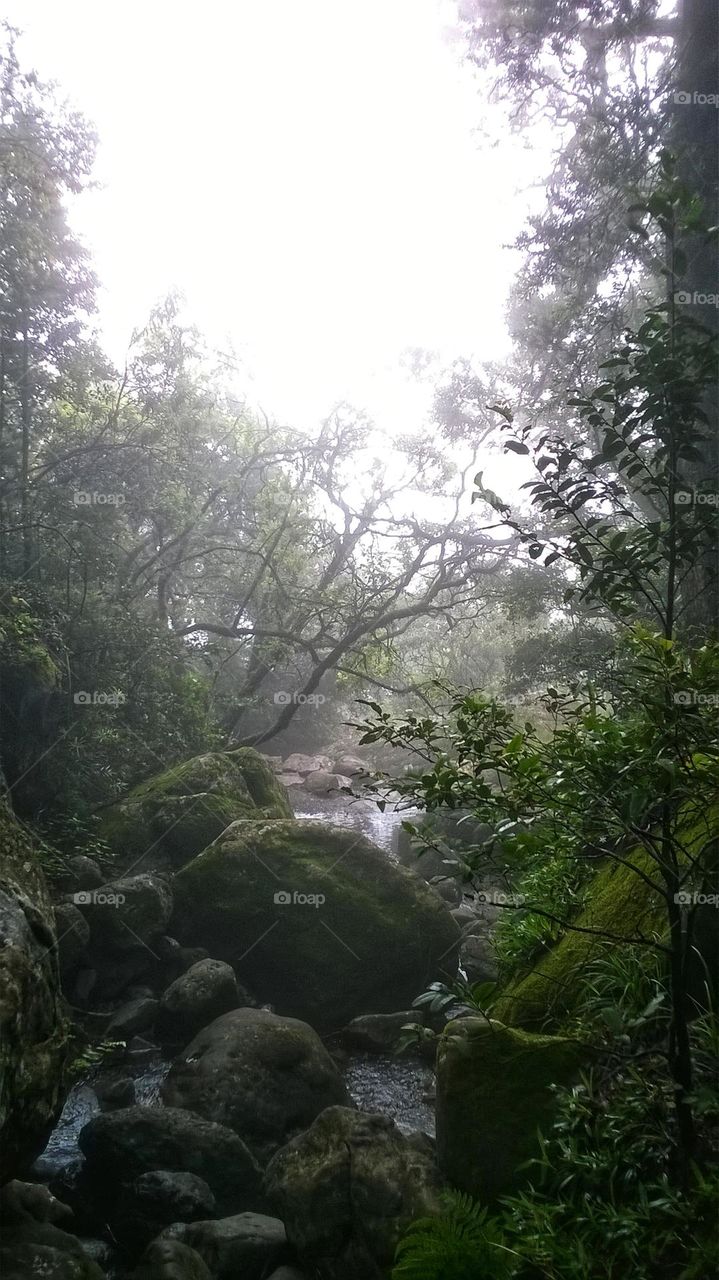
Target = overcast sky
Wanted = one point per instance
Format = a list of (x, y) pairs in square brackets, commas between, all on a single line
[(312, 176)]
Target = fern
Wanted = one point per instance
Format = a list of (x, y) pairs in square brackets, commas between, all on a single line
[(462, 1244)]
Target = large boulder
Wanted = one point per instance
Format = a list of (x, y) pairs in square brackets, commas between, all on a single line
[(154, 1201), (126, 913), (350, 767), (324, 783), (264, 1076), (315, 919), (493, 1093), (347, 1189), (304, 764), (171, 1260), (179, 812), (32, 1242), (120, 1146), (246, 1245), (33, 1032), (196, 998)]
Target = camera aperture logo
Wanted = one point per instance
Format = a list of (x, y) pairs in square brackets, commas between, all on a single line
[(683, 98), (81, 498), (283, 699), (692, 698), (97, 898), (687, 498), (98, 698), (283, 898), (685, 898)]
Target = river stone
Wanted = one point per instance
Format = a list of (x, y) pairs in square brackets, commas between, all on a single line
[(493, 1093), (264, 1076), (347, 1189), (302, 764), (178, 813), (81, 873), (120, 1146), (246, 1245), (323, 783), (375, 942), (126, 912), (33, 1030), (154, 1201), (349, 766), (290, 779), (377, 1032), (195, 999), (288, 1273), (133, 1016), (171, 1260)]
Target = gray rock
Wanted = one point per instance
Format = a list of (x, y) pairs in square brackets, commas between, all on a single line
[(83, 873), (303, 764), (154, 1201), (288, 1273), (350, 767), (263, 1076), (125, 912), (377, 1032), (33, 1031), (134, 1016), (120, 1146), (195, 999), (347, 1189), (73, 935), (247, 1245), (324, 783), (171, 1260), (290, 779)]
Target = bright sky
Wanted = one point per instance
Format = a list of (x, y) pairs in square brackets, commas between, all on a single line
[(310, 175)]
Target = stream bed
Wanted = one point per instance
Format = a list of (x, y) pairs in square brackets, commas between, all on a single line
[(400, 1088)]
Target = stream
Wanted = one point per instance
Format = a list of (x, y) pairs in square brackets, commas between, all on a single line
[(397, 1087)]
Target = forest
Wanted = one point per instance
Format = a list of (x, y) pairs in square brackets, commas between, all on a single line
[(359, 781)]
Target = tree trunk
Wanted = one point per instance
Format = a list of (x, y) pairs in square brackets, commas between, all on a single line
[(696, 142)]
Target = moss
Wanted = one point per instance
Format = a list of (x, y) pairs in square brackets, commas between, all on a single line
[(33, 1032), (619, 905), (185, 808), (493, 1094), (379, 935)]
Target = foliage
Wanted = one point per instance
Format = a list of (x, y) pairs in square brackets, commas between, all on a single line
[(462, 1244)]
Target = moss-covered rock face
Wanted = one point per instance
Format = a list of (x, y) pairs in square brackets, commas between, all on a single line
[(492, 1095), (33, 1032), (315, 919), (620, 905), (179, 812)]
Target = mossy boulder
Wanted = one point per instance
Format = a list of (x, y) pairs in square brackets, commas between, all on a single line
[(493, 1094), (347, 1189), (619, 906), (179, 812), (263, 1076), (315, 919), (33, 1029)]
